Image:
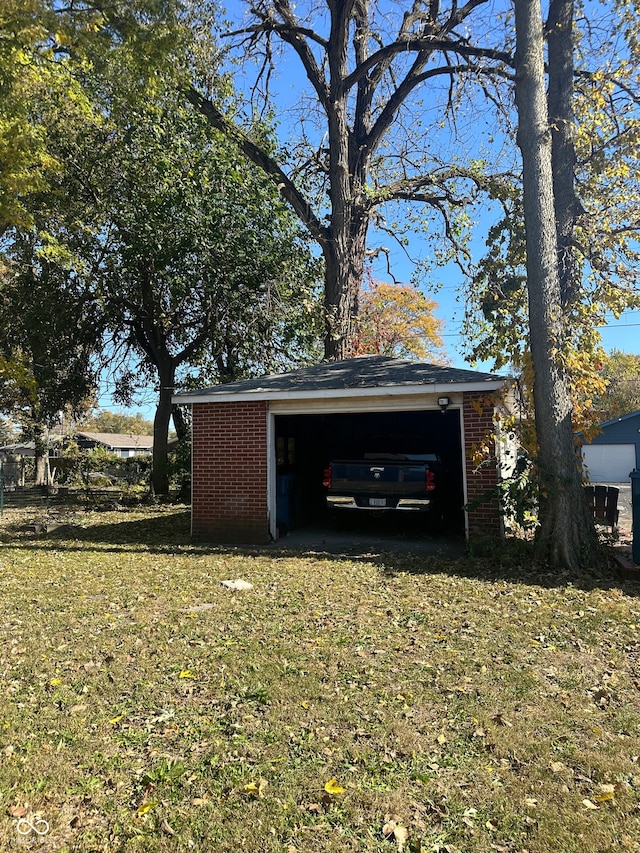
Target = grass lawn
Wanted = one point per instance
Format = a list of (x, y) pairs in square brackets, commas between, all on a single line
[(380, 704)]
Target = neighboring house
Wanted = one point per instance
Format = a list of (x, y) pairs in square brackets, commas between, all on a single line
[(251, 439), (123, 445), (21, 448), (612, 454)]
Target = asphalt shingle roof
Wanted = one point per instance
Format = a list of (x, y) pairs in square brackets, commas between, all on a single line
[(370, 371)]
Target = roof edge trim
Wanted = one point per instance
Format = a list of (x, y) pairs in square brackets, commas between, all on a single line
[(262, 394)]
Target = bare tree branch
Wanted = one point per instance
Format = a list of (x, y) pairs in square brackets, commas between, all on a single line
[(254, 153)]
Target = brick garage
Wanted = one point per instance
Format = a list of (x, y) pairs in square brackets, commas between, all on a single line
[(243, 431)]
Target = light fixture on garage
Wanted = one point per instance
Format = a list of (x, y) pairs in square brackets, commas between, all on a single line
[(443, 402)]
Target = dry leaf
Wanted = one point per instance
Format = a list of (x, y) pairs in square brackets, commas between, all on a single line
[(332, 787), (18, 811), (146, 807), (256, 789), (237, 584), (401, 836), (166, 828), (400, 833), (608, 793), (186, 673)]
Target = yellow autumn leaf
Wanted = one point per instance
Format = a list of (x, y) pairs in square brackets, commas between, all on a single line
[(146, 807), (117, 719), (603, 798), (256, 789), (332, 787), (186, 673)]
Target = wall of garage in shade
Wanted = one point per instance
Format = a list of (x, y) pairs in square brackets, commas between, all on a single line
[(481, 474), (230, 471)]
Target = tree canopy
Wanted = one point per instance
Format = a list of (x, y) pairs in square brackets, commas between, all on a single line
[(398, 320), (379, 86)]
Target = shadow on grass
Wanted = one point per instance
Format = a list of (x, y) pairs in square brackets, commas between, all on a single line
[(169, 532)]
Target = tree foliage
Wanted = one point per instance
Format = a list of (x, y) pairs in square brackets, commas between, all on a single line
[(398, 320), (153, 221), (105, 421), (366, 138), (620, 372), (566, 536), (596, 170)]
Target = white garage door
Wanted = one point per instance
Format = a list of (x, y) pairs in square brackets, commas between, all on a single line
[(609, 463)]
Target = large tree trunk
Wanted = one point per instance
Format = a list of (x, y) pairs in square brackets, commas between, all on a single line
[(344, 268), (159, 468), (563, 155), (41, 453), (566, 534)]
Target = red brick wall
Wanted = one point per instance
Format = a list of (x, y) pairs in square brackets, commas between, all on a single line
[(229, 473), (481, 476)]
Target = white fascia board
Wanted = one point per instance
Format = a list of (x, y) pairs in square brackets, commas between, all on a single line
[(262, 394)]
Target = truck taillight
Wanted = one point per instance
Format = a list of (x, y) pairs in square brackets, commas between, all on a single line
[(429, 481), (326, 478)]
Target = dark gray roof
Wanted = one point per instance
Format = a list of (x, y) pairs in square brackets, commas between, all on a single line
[(630, 416), (369, 371)]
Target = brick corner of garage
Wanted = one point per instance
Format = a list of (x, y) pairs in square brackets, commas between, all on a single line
[(229, 532)]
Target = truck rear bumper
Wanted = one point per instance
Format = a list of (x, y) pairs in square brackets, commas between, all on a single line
[(403, 504)]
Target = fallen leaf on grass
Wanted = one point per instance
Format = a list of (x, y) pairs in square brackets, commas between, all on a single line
[(400, 833), (186, 673), (146, 807), (332, 787), (18, 811), (167, 828), (256, 789), (237, 584), (603, 798), (608, 793)]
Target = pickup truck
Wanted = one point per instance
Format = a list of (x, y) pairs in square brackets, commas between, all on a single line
[(393, 481)]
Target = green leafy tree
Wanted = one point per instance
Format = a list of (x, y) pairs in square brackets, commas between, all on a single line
[(106, 421), (200, 265), (48, 334), (621, 373)]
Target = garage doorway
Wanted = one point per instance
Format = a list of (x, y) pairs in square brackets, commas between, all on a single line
[(305, 444)]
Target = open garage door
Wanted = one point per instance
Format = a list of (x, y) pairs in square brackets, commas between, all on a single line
[(306, 444), (609, 463)]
